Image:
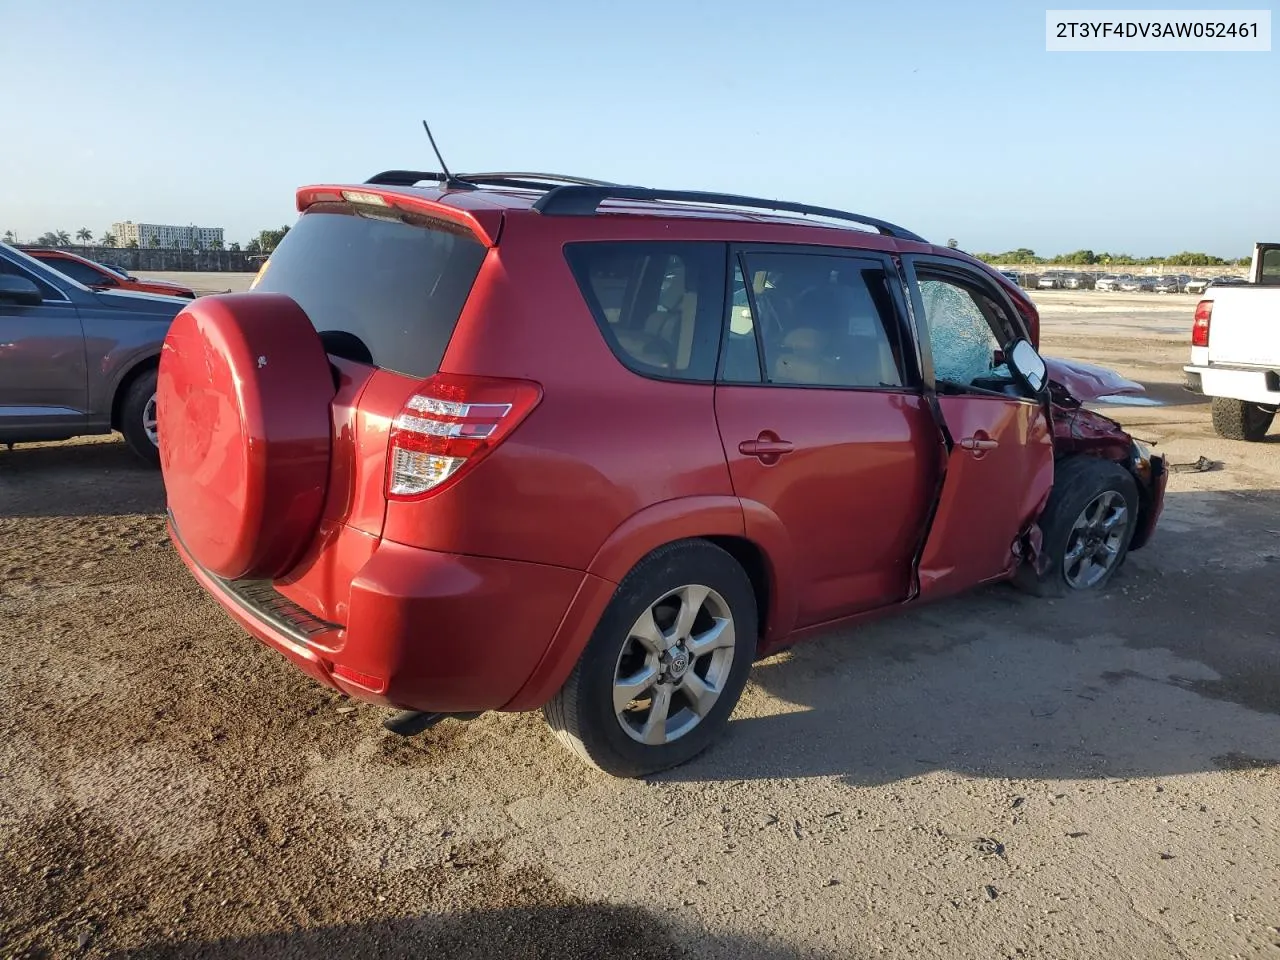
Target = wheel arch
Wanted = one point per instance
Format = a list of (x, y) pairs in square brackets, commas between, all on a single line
[(127, 380), (747, 531)]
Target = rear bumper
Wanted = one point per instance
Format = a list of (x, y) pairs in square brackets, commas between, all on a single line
[(1254, 384), (425, 630)]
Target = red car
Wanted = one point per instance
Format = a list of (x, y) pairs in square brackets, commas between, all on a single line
[(514, 441), (97, 276)]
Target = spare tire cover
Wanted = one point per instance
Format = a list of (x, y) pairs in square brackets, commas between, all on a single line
[(242, 403)]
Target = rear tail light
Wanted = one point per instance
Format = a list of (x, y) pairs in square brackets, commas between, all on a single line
[(1200, 329), (448, 426)]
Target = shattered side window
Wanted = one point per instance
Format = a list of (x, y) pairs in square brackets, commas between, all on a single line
[(964, 347)]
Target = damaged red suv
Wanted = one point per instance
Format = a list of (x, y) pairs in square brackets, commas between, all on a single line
[(515, 441)]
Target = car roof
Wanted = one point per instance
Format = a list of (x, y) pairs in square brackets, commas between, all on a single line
[(556, 194), (55, 251), (482, 201)]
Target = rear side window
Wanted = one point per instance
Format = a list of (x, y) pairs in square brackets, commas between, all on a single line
[(395, 286), (74, 269), (659, 305), (823, 321)]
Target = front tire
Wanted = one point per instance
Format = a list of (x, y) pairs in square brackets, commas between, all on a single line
[(1240, 419), (138, 418), (665, 666), (1087, 525)]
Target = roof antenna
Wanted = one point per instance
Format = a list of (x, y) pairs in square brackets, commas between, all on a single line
[(450, 181)]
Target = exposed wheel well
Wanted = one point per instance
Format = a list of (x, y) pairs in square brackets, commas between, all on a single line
[(122, 388), (752, 559)]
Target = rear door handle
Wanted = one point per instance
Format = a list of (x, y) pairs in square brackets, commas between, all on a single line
[(768, 447)]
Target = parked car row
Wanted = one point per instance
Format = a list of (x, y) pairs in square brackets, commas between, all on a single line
[(1113, 282), (102, 276)]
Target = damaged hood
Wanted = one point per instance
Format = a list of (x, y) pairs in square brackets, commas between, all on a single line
[(1086, 382)]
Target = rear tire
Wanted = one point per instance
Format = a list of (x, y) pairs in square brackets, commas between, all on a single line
[(1240, 419), (1087, 525), (138, 417), (605, 712)]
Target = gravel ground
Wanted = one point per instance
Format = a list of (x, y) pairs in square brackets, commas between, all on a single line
[(991, 776)]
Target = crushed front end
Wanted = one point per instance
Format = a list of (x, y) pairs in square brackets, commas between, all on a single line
[(1078, 430)]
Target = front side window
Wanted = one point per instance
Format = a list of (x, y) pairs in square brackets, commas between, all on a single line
[(47, 290), (961, 321), (658, 305), (822, 321)]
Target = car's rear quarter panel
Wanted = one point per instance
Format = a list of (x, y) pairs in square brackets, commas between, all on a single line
[(602, 444)]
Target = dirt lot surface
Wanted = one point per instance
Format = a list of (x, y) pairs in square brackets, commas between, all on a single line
[(991, 777)]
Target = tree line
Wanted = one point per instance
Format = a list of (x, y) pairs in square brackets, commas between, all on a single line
[(265, 242), (1087, 257)]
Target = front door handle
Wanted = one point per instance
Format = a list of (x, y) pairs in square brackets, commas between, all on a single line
[(979, 444), (768, 447)]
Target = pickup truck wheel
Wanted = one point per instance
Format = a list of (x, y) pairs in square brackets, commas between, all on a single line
[(138, 418), (1240, 419), (1087, 525), (665, 666)]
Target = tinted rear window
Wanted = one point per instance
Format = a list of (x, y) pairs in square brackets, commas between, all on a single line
[(397, 286), (659, 305)]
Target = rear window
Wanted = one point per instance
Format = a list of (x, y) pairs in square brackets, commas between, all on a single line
[(1270, 272), (659, 305), (396, 286)]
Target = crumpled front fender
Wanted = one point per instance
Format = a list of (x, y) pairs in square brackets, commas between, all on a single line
[(1087, 382)]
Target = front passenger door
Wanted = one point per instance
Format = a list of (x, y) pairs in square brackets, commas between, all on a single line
[(43, 371), (1000, 469)]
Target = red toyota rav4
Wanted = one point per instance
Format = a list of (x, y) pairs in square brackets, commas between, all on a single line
[(511, 441)]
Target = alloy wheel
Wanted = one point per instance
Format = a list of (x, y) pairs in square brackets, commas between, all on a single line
[(674, 665), (1096, 539)]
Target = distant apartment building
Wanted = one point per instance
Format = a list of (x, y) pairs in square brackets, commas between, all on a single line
[(168, 235)]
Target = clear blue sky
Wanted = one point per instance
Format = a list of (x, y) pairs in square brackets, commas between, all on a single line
[(947, 117)]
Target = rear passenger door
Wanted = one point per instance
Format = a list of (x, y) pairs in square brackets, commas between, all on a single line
[(824, 423)]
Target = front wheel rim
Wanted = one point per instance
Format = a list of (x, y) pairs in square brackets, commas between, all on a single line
[(674, 665), (149, 422), (1096, 539)]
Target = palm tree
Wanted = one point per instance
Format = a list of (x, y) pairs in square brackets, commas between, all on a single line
[(108, 239), (84, 235), (9, 237), (154, 241), (63, 238)]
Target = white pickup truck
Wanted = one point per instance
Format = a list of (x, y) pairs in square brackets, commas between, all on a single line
[(1235, 349)]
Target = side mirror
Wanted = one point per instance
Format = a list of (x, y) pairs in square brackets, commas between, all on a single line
[(107, 282), (20, 290), (1028, 366)]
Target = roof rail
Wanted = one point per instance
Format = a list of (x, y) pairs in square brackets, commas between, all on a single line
[(526, 181), (403, 178), (575, 200), (541, 178)]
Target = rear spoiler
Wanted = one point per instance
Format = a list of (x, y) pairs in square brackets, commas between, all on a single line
[(486, 224)]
